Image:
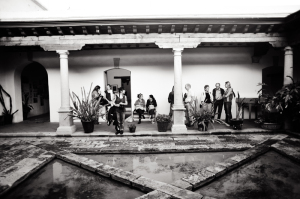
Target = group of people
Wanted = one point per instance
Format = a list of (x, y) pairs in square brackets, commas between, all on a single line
[(112, 103), (209, 101)]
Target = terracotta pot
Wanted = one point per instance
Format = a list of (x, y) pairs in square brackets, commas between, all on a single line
[(237, 124), (1, 120), (132, 129), (8, 119), (162, 126), (88, 127)]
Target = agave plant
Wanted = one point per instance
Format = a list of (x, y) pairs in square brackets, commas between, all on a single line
[(84, 109), (2, 101), (240, 105), (203, 117)]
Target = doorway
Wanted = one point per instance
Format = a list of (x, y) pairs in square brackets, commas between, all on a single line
[(35, 93), (117, 78)]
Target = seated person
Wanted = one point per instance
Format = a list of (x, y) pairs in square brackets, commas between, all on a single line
[(140, 106), (151, 107)]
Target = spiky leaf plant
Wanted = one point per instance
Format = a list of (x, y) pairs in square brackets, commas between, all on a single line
[(2, 101)]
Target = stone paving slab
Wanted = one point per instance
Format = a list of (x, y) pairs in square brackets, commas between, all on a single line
[(289, 148), (155, 195)]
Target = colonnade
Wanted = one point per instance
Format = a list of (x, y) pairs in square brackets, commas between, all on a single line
[(66, 125)]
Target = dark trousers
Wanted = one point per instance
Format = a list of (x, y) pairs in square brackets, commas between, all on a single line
[(111, 115), (140, 112), (120, 112), (227, 108), (218, 104)]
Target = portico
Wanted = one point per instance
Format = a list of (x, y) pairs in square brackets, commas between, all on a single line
[(174, 35)]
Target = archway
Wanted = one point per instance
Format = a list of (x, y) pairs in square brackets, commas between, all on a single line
[(35, 93), (118, 77)]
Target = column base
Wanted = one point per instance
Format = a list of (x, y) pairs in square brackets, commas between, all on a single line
[(178, 128), (65, 130), (66, 124)]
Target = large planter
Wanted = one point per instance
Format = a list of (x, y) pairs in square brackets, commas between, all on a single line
[(88, 127), (271, 126), (237, 123), (201, 127), (8, 119), (162, 126)]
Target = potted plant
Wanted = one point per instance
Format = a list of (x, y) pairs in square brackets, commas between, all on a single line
[(271, 110), (289, 98), (237, 122), (7, 113), (132, 128), (26, 107), (163, 122), (203, 119), (84, 110)]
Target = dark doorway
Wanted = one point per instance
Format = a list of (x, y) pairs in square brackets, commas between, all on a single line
[(35, 93)]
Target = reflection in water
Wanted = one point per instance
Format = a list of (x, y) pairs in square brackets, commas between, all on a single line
[(59, 180), (163, 167), (266, 177)]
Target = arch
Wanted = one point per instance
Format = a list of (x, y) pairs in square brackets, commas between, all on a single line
[(18, 87)]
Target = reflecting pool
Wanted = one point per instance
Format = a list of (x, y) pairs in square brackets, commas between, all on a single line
[(268, 176), (167, 167), (60, 180)]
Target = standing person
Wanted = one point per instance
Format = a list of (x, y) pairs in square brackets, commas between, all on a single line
[(218, 99), (190, 105), (228, 96), (109, 96), (96, 97), (206, 99), (140, 106), (120, 101), (171, 101), (151, 107)]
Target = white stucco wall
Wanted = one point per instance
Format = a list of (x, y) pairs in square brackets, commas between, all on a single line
[(151, 71)]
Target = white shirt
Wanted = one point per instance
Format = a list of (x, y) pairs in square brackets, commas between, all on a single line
[(190, 94)]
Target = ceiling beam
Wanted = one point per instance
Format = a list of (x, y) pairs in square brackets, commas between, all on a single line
[(184, 29), (246, 29), (147, 29), (35, 32), (209, 28), (222, 27), (22, 32), (60, 31), (122, 30), (109, 30), (72, 31), (97, 30), (172, 29), (233, 29), (196, 29), (48, 32), (134, 29), (257, 29), (270, 29), (159, 29), (84, 30)]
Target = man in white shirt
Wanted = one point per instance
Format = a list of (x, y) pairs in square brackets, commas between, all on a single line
[(190, 105)]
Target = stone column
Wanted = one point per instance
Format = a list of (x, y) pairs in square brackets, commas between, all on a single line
[(178, 107), (288, 65), (66, 125)]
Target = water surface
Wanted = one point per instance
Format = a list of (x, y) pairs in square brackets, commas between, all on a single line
[(60, 180), (167, 167), (270, 176)]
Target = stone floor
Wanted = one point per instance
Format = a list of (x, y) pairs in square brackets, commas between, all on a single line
[(21, 157)]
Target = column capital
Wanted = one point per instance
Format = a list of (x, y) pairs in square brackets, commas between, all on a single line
[(288, 50), (178, 45), (278, 44), (63, 52), (177, 51)]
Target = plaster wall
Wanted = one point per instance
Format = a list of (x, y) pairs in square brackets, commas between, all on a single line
[(151, 71)]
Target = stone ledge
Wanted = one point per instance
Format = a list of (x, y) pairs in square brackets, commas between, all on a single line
[(106, 170), (182, 184), (287, 150), (124, 176), (155, 195)]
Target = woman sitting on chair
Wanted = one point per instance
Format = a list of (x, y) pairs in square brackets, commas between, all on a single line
[(140, 106), (120, 101), (151, 107)]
